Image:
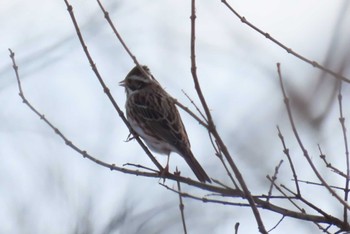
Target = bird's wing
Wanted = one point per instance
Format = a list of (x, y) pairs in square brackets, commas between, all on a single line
[(162, 118)]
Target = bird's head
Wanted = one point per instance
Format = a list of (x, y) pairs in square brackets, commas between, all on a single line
[(137, 79)]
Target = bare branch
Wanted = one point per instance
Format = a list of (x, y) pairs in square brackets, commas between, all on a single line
[(211, 124), (346, 145), (221, 193), (301, 145)]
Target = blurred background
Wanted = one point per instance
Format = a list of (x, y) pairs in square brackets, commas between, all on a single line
[(45, 187)]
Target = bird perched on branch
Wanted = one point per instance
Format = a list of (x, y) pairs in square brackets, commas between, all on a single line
[(153, 115)]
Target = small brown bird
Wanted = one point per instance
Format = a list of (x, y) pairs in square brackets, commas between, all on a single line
[(153, 115)]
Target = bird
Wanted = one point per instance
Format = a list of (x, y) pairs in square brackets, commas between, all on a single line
[(152, 114)]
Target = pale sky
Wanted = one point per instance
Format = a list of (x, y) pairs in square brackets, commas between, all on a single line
[(45, 187)]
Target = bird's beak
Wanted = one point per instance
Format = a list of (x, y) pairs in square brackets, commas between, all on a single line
[(122, 83)]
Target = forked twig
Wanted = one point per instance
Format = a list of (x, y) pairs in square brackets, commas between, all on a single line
[(329, 165), (279, 188)]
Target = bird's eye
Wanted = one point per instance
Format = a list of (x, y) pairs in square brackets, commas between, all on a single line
[(136, 85)]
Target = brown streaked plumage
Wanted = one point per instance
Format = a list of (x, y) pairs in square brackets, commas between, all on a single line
[(155, 118)]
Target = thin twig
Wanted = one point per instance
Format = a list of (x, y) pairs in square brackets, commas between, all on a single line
[(282, 197), (181, 205), (133, 57), (319, 184), (286, 152), (301, 145), (193, 115), (216, 148), (236, 227), (194, 104), (218, 153), (289, 50), (140, 166), (342, 123), (273, 179), (228, 171), (278, 223)]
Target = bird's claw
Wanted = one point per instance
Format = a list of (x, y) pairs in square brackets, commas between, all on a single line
[(130, 137)]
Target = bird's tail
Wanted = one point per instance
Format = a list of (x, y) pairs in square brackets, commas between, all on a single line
[(196, 167)]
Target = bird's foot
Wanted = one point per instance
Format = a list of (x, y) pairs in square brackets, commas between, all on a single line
[(163, 173), (130, 137)]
